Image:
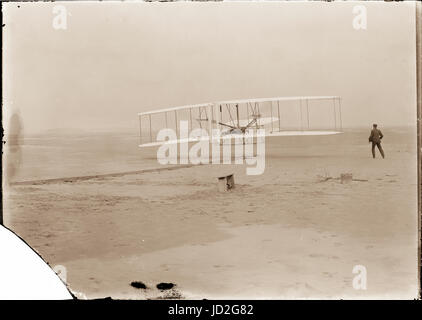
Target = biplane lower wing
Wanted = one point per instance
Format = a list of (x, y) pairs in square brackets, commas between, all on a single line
[(240, 136)]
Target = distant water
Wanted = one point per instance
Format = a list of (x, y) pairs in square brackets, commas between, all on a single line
[(67, 155)]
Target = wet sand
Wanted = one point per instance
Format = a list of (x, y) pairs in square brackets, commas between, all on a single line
[(294, 232)]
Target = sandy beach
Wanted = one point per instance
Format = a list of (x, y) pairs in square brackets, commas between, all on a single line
[(294, 232)]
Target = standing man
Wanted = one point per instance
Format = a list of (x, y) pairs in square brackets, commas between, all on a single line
[(375, 138)]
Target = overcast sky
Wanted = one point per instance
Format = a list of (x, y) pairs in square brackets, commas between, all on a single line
[(117, 59)]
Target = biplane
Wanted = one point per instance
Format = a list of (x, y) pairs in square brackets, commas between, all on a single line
[(279, 116)]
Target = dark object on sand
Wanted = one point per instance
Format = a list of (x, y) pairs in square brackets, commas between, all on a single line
[(138, 285), (165, 286), (225, 183)]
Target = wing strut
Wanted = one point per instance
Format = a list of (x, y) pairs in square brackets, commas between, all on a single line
[(175, 117), (272, 123), (140, 129), (335, 115), (237, 114), (301, 117), (307, 112), (341, 122), (279, 121), (150, 129), (190, 117)]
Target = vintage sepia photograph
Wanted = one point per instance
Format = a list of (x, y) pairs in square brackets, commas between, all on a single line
[(211, 150)]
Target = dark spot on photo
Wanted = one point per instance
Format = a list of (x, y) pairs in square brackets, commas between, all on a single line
[(165, 286), (138, 285)]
